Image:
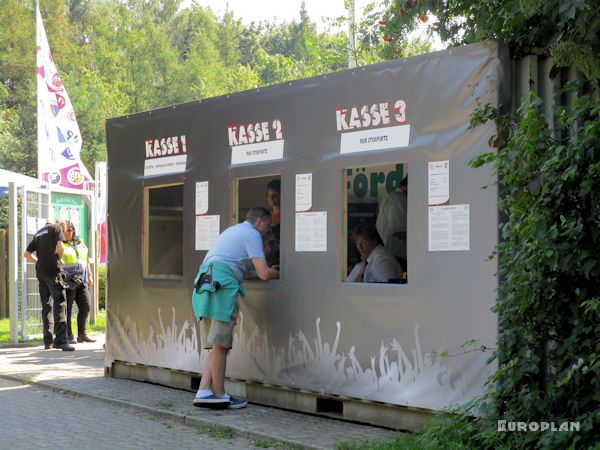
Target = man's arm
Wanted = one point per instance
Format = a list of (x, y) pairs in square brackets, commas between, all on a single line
[(263, 271), (355, 273), (60, 249), (30, 257)]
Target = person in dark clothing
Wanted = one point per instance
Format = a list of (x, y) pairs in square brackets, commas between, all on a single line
[(272, 239), (47, 245), (274, 198)]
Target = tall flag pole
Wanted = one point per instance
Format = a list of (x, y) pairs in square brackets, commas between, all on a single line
[(59, 139)]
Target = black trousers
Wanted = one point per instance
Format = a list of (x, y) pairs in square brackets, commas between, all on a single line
[(54, 310), (81, 296)]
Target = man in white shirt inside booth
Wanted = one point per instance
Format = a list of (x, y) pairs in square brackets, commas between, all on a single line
[(377, 264)]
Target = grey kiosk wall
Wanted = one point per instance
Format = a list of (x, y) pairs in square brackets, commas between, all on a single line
[(179, 175)]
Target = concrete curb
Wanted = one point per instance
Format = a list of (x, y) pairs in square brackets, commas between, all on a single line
[(161, 413)]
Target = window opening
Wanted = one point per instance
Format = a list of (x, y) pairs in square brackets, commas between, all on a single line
[(163, 231), (266, 192), (375, 224)]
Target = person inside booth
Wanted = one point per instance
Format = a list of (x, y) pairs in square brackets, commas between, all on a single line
[(272, 240), (377, 265), (391, 223)]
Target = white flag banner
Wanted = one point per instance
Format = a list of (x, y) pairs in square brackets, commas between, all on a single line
[(59, 139)]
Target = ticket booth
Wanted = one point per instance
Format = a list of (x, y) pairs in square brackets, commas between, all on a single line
[(340, 147)]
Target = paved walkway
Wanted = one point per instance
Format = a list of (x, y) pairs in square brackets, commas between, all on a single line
[(31, 373)]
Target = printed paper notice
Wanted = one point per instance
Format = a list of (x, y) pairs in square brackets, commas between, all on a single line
[(448, 228), (311, 231), (207, 230), (303, 192), (439, 183), (201, 198)]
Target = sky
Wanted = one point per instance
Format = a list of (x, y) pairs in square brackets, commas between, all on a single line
[(282, 10), (288, 10)]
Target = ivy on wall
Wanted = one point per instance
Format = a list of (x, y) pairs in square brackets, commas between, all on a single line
[(549, 295)]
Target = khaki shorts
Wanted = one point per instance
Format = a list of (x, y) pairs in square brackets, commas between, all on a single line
[(213, 331)]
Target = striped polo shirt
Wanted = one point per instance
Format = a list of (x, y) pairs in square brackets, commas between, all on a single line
[(236, 246)]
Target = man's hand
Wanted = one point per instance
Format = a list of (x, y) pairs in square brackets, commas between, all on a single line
[(263, 271), (273, 273), (30, 257)]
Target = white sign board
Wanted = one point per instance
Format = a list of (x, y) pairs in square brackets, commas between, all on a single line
[(375, 139), (261, 151), (165, 165)]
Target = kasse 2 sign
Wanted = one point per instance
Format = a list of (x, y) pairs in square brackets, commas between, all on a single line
[(253, 133)]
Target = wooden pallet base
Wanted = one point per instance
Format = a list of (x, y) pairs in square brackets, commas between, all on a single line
[(339, 407)]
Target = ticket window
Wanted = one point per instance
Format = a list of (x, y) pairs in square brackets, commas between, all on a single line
[(163, 231), (266, 192), (376, 210)]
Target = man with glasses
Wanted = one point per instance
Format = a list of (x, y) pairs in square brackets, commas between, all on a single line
[(215, 299)]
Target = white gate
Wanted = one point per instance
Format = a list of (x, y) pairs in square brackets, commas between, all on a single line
[(30, 208), (35, 213)]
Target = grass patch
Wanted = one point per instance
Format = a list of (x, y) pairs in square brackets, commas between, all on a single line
[(222, 432), (99, 326), (263, 443), (406, 442), (287, 446), (165, 405)]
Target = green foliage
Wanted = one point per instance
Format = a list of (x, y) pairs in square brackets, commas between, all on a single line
[(550, 267), (568, 29), (4, 219), (100, 324), (101, 286)]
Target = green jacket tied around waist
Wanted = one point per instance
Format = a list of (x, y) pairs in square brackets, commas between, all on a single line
[(216, 304)]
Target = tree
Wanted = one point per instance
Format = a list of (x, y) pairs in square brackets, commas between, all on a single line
[(567, 29)]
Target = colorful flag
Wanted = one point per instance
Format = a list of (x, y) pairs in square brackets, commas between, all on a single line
[(59, 139), (101, 194)]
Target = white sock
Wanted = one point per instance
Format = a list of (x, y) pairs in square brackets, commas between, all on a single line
[(203, 393), (225, 395)]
